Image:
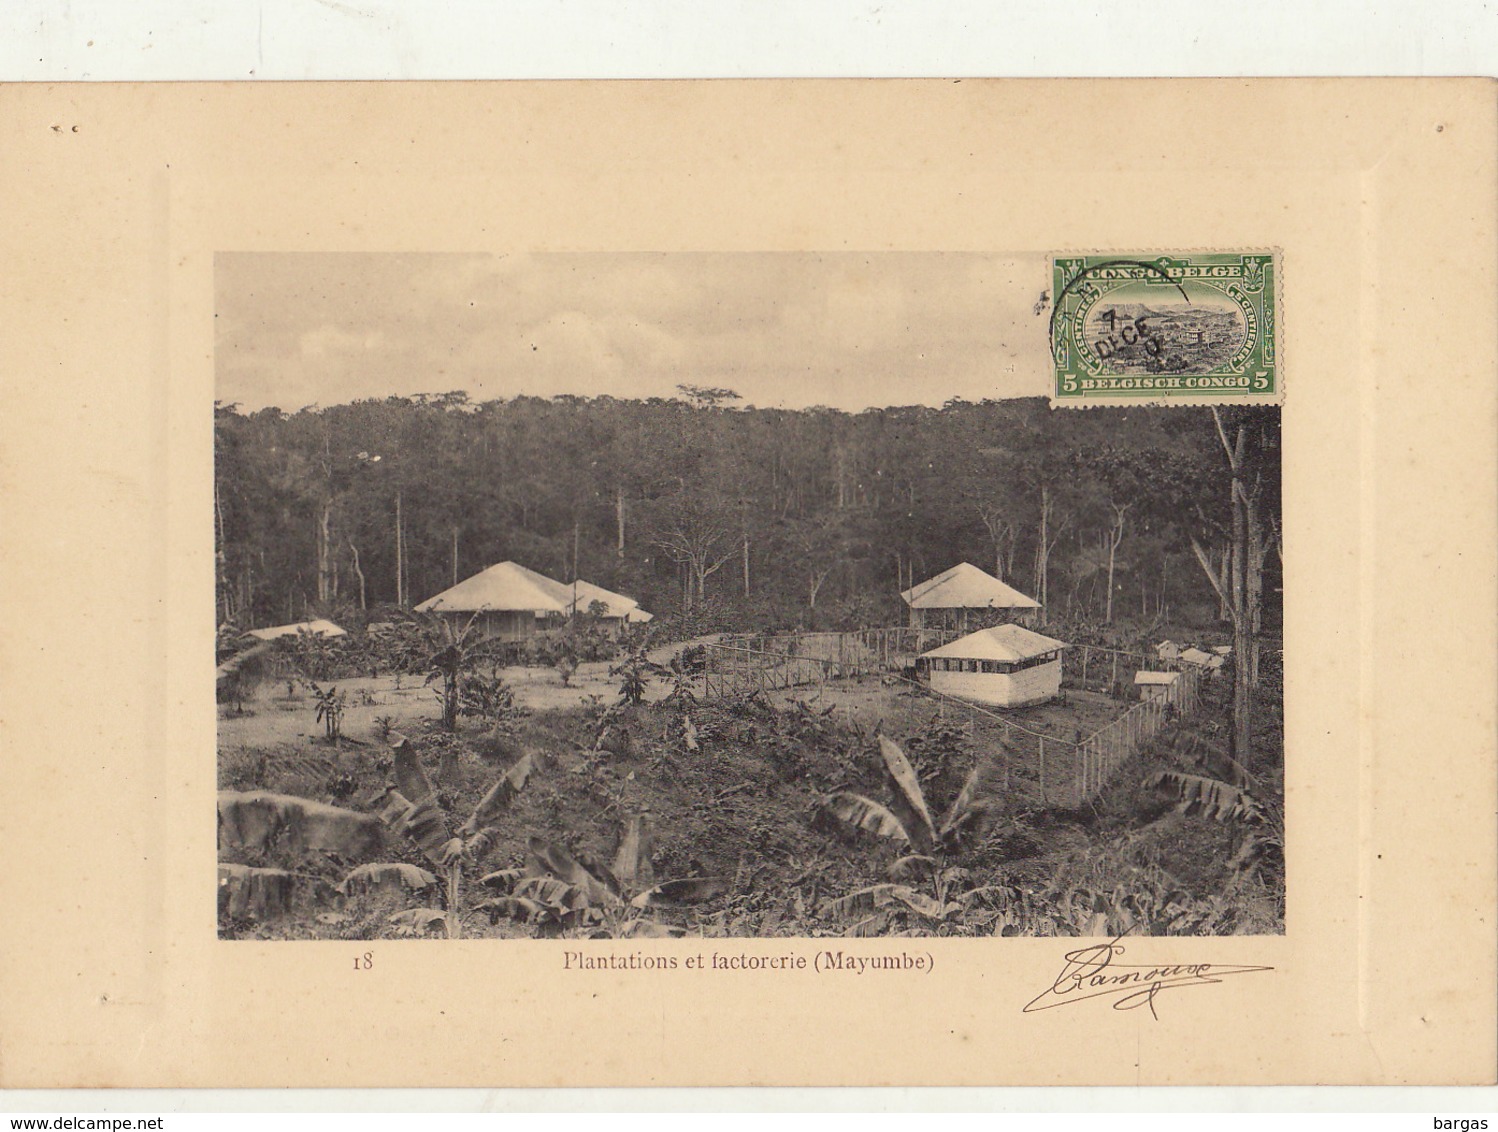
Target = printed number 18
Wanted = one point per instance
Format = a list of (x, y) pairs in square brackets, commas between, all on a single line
[(364, 962)]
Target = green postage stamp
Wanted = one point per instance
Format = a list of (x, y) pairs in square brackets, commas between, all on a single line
[(1193, 327)]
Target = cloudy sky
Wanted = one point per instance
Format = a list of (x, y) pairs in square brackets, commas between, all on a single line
[(849, 330)]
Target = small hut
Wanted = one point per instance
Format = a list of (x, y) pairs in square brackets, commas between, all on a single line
[(1155, 685), (1007, 665), (1201, 659), (317, 628), (964, 597), (507, 601)]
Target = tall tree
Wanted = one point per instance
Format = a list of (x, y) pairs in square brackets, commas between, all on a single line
[(698, 536), (1115, 537), (1243, 442)]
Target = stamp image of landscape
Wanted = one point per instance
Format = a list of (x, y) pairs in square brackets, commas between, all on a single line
[(1161, 338)]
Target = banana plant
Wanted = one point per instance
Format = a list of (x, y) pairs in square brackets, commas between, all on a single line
[(908, 818), (559, 890), (410, 807)]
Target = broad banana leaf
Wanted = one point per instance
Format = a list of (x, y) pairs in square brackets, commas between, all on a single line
[(477, 845), (553, 892), (514, 908), (881, 896), (423, 822), (910, 802), (913, 864), (426, 824), (389, 875), (1206, 796), (600, 871), (260, 820), (391, 807), (864, 813), (417, 920), (874, 925), (966, 807), (1000, 896), (551, 859), (247, 893), (504, 880), (689, 890), (410, 778), (510, 783), (632, 861), (1096, 925), (918, 902)]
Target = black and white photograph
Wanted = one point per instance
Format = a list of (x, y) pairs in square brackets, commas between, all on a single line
[(623, 596)]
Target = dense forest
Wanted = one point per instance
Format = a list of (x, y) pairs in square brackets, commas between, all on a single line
[(720, 516)]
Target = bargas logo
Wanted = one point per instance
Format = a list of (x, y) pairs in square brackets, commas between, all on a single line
[(1479, 1125)]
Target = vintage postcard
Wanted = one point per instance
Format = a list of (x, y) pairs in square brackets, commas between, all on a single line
[(578, 620)]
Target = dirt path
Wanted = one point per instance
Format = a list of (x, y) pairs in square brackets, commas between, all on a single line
[(273, 716), (664, 653)]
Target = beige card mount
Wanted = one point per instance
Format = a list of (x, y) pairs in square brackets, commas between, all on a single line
[(850, 245)]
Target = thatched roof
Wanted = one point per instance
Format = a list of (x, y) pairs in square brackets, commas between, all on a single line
[(965, 586), (505, 587), (1002, 642)]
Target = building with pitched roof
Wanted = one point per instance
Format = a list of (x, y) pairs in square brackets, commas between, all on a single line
[(512, 602), (1155, 685), (965, 597), (1006, 665), (506, 601), (317, 628)]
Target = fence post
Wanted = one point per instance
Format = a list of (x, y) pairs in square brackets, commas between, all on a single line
[(1042, 771)]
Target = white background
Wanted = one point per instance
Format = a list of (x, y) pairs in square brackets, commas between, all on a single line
[(496, 39)]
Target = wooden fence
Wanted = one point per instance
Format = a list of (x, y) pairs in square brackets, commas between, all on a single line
[(737, 666), (1098, 757)]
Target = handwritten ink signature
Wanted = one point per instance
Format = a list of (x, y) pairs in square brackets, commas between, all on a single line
[(1091, 972)]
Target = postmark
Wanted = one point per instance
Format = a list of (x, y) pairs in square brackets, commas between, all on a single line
[(1181, 328)]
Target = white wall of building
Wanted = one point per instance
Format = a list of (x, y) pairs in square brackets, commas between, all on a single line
[(1004, 689)]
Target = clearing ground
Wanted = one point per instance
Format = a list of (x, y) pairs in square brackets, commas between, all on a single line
[(285, 712)]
